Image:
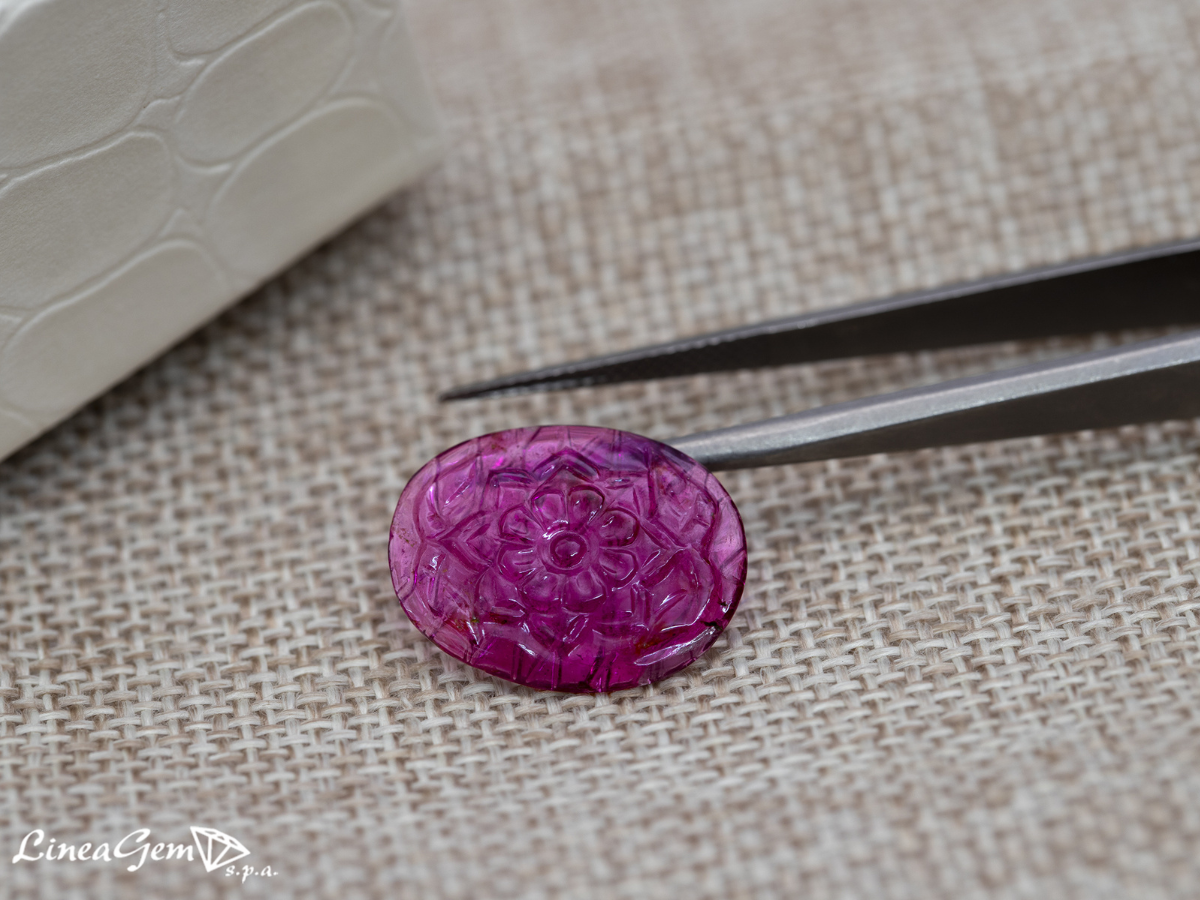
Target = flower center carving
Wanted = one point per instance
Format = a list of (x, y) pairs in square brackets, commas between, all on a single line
[(566, 550)]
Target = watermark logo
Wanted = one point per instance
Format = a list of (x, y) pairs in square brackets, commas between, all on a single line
[(213, 847), (216, 847)]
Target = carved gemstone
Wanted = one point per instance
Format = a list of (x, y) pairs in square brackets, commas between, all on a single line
[(568, 558)]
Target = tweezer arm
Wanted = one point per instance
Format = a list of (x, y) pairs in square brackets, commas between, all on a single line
[(1144, 382), (1146, 287)]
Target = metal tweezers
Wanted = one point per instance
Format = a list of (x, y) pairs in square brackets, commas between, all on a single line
[(1133, 383)]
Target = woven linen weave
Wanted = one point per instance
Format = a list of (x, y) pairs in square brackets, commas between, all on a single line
[(969, 672)]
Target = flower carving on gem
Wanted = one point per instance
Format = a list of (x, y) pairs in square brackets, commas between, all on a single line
[(565, 546), (573, 558)]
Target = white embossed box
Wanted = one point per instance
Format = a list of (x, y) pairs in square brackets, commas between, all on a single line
[(160, 158)]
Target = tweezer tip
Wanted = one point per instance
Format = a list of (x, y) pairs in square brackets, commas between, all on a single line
[(463, 392), (492, 388), (539, 380)]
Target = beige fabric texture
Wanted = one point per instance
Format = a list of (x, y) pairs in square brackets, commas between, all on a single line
[(968, 672)]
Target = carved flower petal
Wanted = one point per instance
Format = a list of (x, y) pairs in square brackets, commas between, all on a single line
[(583, 504), (454, 495), (497, 597), (474, 534), (550, 508), (616, 528), (518, 524), (450, 598), (544, 590), (505, 489), (618, 565), (680, 591), (583, 591), (516, 562)]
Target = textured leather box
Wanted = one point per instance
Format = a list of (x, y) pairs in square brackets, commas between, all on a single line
[(160, 158)]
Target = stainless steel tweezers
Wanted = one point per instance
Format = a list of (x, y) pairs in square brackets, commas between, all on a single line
[(1141, 382)]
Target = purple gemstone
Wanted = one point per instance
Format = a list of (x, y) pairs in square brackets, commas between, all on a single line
[(568, 558)]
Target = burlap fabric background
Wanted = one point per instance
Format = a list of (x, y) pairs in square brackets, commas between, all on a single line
[(966, 672)]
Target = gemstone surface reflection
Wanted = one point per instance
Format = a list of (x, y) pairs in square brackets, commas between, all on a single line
[(568, 558)]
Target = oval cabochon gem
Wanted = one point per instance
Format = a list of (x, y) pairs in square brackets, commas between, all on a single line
[(568, 558)]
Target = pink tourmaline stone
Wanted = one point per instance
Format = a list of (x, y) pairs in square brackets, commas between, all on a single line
[(568, 558)]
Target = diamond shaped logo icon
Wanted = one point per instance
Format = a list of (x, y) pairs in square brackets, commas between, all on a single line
[(216, 847)]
